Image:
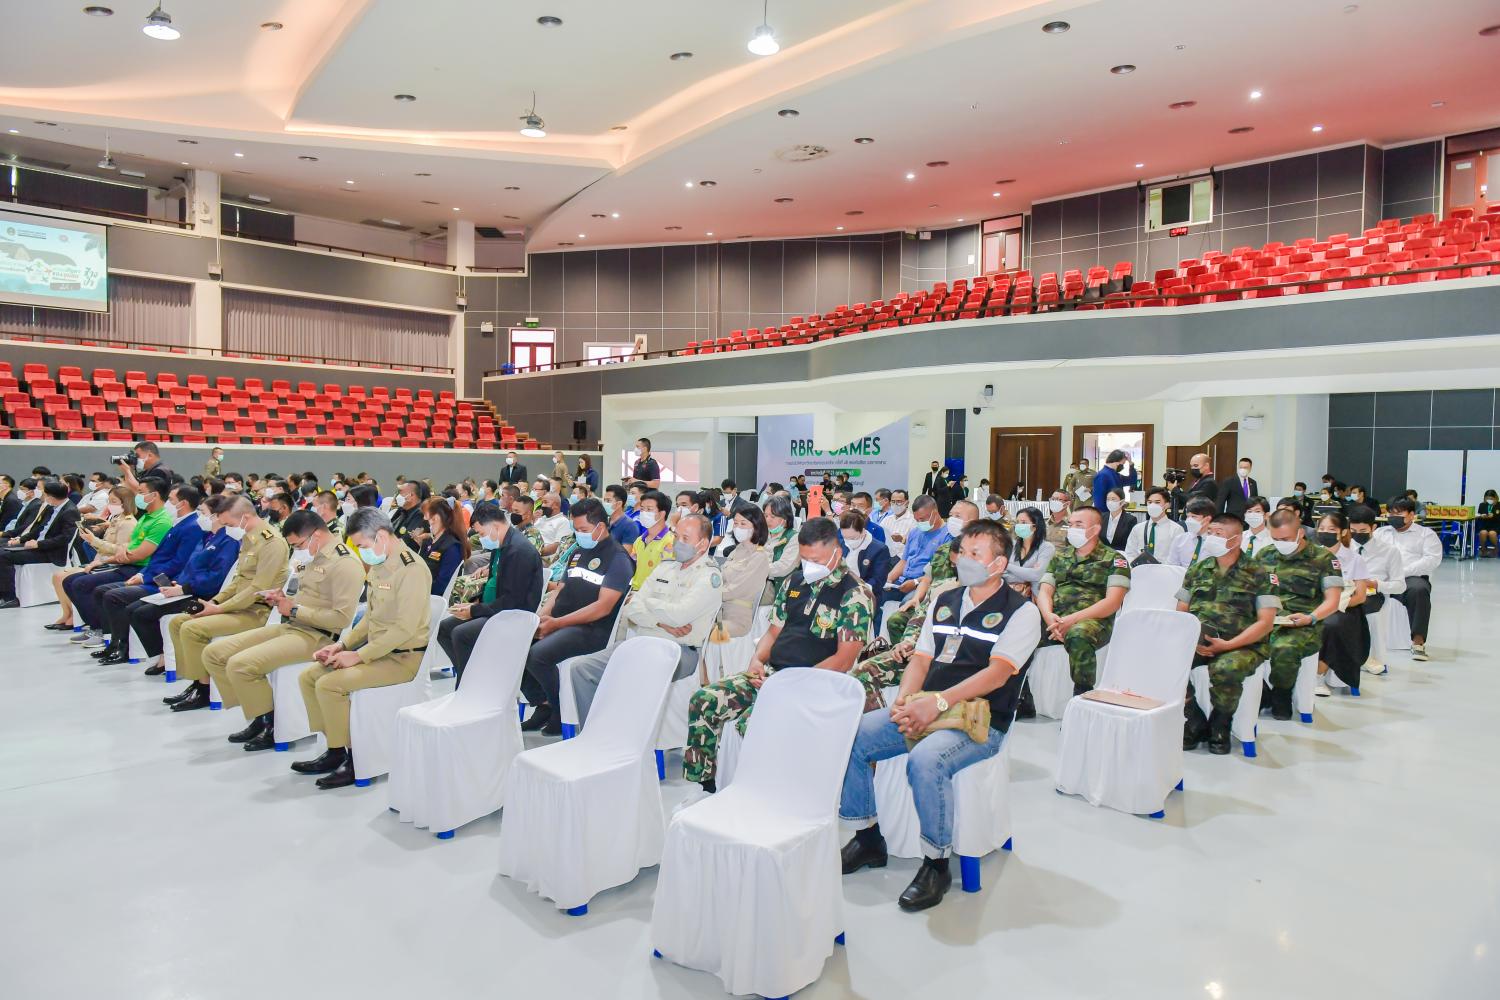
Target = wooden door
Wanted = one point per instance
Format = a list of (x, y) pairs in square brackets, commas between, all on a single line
[(1030, 456)]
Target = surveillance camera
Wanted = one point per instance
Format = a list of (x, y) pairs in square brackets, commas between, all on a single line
[(976, 411)]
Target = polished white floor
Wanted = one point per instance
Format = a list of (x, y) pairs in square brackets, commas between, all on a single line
[(141, 856)]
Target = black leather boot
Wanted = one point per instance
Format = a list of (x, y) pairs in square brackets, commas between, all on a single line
[(866, 850), (540, 717), (1026, 705), (328, 762), (342, 777), (1281, 703), (197, 697), (1195, 728), (266, 739), (927, 888), (255, 728), (1218, 732)]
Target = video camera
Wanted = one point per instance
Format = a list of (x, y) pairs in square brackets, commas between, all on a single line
[(126, 459), (1173, 477)]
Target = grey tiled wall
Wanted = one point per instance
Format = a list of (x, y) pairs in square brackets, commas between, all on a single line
[(1413, 180), (1369, 433), (948, 254)]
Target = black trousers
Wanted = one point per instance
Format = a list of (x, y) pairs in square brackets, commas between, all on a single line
[(146, 620), (1346, 644), (115, 606), (83, 590), (457, 639), (10, 558), (540, 682), (1418, 601)]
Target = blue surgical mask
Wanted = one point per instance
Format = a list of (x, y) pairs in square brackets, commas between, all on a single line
[(140, 502), (486, 542), (585, 539), (1023, 530), (630, 500), (370, 557), (609, 508)]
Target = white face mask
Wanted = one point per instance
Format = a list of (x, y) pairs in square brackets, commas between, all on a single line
[(1055, 506), (1244, 473), (1255, 519), (899, 509), (348, 507), (743, 534), (648, 519), (205, 523), (1193, 525), (510, 461), (1155, 511), (1213, 547), (853, 541), (235, 532), (1285, 548), (1078, 537), (1114, 505), (955, 525), (114, 509), (812, 572)]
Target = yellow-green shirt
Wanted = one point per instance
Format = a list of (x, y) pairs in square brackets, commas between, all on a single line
[(648, 555)]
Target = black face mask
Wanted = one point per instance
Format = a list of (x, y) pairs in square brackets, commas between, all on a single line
[(517, 520), (1396, 521), (1327, 538), (1361, 537), (1197, 474)]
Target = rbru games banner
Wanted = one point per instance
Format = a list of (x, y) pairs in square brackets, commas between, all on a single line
[(785, 449)]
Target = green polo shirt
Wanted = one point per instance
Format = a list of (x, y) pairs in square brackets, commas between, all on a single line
[(150, 528)]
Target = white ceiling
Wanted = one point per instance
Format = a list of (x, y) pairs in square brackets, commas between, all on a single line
[(973, 82)]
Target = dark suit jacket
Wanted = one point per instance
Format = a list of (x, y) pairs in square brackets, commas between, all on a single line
[(10, 507), (1232, 495), (514, 474), (1122, 533), (1207, 487), (519, 580), (56, 538), (27, 517)]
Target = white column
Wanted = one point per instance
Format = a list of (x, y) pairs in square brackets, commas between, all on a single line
[(456, 352), (461, 244), (208, 314), (203, 205)]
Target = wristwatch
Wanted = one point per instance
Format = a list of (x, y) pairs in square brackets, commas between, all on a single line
[(942, 703), (291, 615)]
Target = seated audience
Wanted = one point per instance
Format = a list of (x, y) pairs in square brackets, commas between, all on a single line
[(1421, 552), (1030, 551), (1151, 540), (1346, 636), (446, 545), (1309, 582), (1382, 564), (513, 582), (153, 522), (1187, 548), (1117, 520), (105, 537), (656, 536), (1058, 508), (865, 555), (47, 538), (1257, 527), (1083, 587)]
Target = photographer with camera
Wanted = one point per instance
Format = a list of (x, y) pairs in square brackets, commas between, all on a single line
[(143, 460)]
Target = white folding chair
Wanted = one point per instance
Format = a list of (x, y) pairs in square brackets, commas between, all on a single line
[(585, 815), (1154, 586), (289, 709), (749, 887), (34, 584), (1051, 681), (981, 809), (372, 711), (169, 654), (1246, 721), (1377, 624), (1126, 758), (1397, 625), (1305, 686), (452, 756)]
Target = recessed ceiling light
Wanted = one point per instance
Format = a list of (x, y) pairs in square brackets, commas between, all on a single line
[(1254, 95), (1317, 128), (1182, 105), (159, 26), (910, 176), (1063, 142), (856, 211), (1124, 69), (308, 159), (789, 112), (271, 26), (687, 184), (548, 21), (1491, 31), (680, 56), (708, 184), (455, 208), (933, 205), (1056, 27), (94, 10), (1006, 180), (960, 220), (14, 131), (1179, 46), (671, 229), (864, 140), (48, 124), (404, 97), (511, 187), (583, 236), (185, 163), (1437, 104), (597, 215), (618, 128), (240, 155), (784, 201), (994, 194), (838, 227), (426, 201), (1241, 129), (1140, 166), (348, 182), (185, 142), (709, 233), (937, 163)]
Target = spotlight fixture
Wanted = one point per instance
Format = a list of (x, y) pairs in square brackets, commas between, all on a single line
[(1124, 69), (597, 215), (910, 176), (614, 215), (1317, 128), (532, 125), (789, 112), (708, 184), (1056, 27), (1182, 105), (1241, 129), (763, 42), (864, 140), (680, 56), (308, 159), (271, 26), (937, 163), (548, 21), (159, 26), (93, 10), (188, 142), (618, 128), (784, 201), (1254, 95), (108, 162), (407, 98)]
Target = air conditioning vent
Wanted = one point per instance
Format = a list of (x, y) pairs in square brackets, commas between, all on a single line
[(802, 153), (385, 224), (489, 232), (31, 161)]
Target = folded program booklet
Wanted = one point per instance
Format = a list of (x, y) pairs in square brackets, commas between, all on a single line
[(1125, 699)]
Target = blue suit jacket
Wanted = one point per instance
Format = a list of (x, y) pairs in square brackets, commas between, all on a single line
[(176, 548)]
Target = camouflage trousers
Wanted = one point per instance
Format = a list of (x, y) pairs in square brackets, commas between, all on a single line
[(877, 673), (709, 710), (900, 620), (1082, 643), (1288, 647), (1226, 675)]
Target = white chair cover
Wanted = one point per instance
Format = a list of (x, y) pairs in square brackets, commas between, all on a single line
[(672, 733), (1397, 625), (749, 887), (1377, 623), (34, 584), (1246, 714), (1051, 681), (452, 756), (169, 654), (372, 711), (1126, 758), (1154, 586), (585, 815), (1306, 683)]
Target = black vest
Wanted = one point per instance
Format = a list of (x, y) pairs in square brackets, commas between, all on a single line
[(800, 643), (977, 633)]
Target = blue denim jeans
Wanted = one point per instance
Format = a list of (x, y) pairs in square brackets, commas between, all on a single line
[(929, 770)]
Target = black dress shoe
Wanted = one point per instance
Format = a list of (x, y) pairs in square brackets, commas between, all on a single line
[(329, 761), (255, 728), (1281, 704), (539, 718), (58, 627), (341, 778), (100, 654), (10, 603), (927, 889), (113, 659), (155, 670), (1218, 732), (1026, 705), (197, 698), (867, 852), (182, 695), (266, 739), (553, 727), (1195, 727)]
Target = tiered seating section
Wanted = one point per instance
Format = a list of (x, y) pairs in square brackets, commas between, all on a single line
[(102, 407), (1391, 253)]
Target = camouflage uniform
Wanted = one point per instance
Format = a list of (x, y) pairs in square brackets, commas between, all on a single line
[(722, 702), (533, 536), (884, 670), (1299, 579), (939, 568), (1078, 582), (1226, 603)]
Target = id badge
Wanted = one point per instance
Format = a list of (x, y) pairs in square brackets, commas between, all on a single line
[(950, 649)]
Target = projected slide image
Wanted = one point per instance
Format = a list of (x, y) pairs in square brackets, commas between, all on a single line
[(53, 262)]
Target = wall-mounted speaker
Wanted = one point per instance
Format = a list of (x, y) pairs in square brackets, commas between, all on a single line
[(580, 429)]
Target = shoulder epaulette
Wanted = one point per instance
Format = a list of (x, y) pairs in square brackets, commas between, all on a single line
[(267, 534), (406, 559), (340, 550)]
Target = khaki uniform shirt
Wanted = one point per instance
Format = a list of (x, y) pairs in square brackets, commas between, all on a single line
[(398, 615), (328, 591), (261, 566), (677, 595)]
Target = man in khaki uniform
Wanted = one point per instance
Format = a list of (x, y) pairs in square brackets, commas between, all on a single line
[(326, 596), (235, 608), (678, 601), (384, 648)]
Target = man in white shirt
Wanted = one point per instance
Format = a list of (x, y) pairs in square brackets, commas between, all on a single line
[(1382, 565), (554, 526), (899, 524), (1153, 536), (96, 497), (1420, 552), (1257, 532), (678, 601), (1187, 548)]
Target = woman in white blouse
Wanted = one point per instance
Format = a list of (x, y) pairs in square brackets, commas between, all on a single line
[(745, 568)]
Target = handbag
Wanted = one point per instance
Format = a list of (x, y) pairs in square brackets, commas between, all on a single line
[(972, 717)]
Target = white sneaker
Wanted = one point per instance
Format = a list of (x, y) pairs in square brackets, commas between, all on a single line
[(1419, 651), (1375, 667), (87, 635), (1323, 690)]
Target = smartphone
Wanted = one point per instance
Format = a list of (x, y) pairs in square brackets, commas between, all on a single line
[(292, 586), (162, 580)]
